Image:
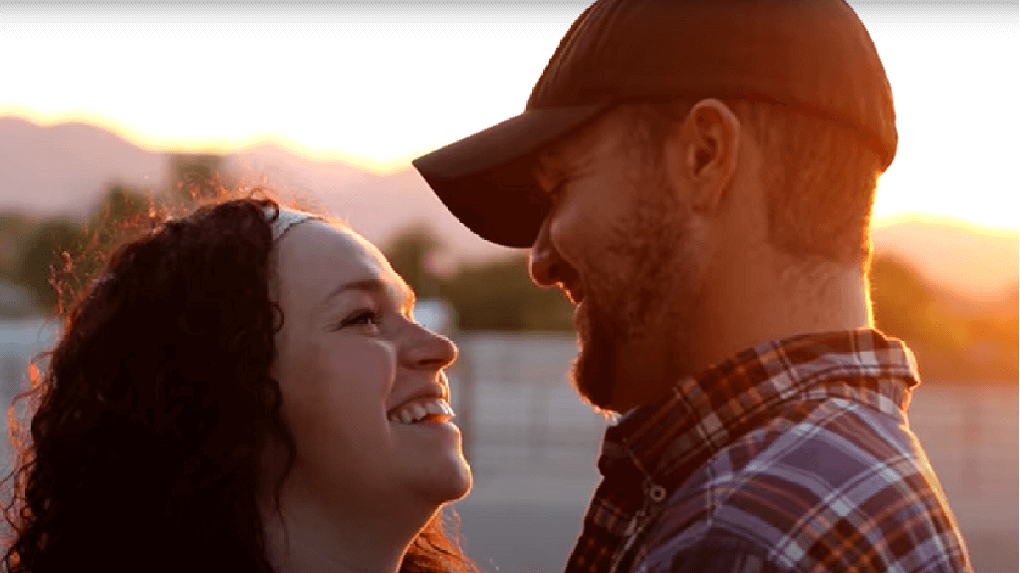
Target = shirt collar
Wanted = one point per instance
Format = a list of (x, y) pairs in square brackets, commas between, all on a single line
[(703, 414)]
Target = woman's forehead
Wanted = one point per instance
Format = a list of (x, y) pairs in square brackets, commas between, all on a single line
[(321, 238), (316, 255)]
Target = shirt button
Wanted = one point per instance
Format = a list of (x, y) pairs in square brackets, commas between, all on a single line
[(657, 493)]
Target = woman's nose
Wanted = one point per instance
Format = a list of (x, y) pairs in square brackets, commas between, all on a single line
[(430, 351)]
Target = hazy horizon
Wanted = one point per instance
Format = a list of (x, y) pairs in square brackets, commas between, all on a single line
[(373, 169), (375, 85)]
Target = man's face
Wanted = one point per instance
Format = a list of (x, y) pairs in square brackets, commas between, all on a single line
[(623, 246)]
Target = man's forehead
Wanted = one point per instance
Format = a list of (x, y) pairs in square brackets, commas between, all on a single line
[(561, 158), (573, 151)]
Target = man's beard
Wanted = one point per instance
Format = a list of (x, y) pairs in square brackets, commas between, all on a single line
[(594, 372), (627, 344), (649, 303)]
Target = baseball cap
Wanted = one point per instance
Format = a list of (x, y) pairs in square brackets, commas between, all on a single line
[(814, 56)]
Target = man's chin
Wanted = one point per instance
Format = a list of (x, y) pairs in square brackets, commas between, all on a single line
[(594, 369), (593, 376), (582, 325)]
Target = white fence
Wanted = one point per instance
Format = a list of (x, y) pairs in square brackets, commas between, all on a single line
[(533, 443), (524, 419)]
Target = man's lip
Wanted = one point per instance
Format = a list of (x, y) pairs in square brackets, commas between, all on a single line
[(574, 293)]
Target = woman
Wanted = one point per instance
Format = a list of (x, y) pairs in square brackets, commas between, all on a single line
[(243, 389)]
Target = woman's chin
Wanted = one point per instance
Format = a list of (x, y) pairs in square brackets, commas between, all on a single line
[(467, 481), (448, 485), (458, 486)]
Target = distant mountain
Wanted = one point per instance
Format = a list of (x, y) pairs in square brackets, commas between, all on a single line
[(382, 206), (65, 168), (292, 172)]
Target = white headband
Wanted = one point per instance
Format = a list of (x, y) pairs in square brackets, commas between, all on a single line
[(288, 218)]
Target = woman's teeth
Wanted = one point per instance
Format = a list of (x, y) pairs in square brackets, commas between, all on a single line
[(419, 411)]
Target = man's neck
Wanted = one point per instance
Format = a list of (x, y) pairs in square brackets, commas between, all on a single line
[(791, 300)]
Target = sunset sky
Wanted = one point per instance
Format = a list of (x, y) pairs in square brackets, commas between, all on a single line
[(378, 83)]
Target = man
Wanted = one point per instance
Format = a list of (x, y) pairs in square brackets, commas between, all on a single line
[(698, 176)]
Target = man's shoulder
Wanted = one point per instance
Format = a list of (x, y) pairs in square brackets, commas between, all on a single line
[(809, 454), (830, 482), (818, 446)]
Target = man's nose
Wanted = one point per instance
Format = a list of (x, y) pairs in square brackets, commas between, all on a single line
[(543, 258)]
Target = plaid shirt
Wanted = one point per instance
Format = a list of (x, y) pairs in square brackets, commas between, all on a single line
[(792, 456)]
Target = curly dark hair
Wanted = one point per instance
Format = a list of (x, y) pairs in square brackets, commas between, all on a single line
[(152, 409)]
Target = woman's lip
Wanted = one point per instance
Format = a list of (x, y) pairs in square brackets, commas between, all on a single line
[(427, 394), (444, 423), (421, 401)]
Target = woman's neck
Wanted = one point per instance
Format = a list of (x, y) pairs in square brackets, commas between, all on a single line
[(311, 539)]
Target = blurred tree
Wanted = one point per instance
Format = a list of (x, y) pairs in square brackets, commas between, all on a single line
[(54, 250), (995, 330), (1011, 304), (120, 212), (15, 224), (906, 306), (1009, 329), (410, 252), (898, 297), (499, 295), (14, 229), (495, 295), (194, 176)]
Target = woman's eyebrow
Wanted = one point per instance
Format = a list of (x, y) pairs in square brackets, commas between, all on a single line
[(372, 286)]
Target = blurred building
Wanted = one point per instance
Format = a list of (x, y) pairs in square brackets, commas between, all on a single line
[(16, 301), (436, 315)]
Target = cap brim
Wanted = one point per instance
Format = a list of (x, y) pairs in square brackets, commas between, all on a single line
[(485, 179)]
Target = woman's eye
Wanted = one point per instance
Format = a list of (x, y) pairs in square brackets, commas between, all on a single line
[(361, 318)]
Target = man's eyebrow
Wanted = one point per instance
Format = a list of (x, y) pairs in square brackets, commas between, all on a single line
[(374, 286), (546, 174)]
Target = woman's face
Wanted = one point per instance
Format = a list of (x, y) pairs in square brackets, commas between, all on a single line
[(357, 375)]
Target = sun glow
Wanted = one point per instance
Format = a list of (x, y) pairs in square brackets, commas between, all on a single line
[(378, 84)]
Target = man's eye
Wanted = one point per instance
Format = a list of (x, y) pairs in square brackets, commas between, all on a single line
[(556, 194)]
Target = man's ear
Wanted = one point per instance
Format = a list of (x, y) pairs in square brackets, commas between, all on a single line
[(702, 153)]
